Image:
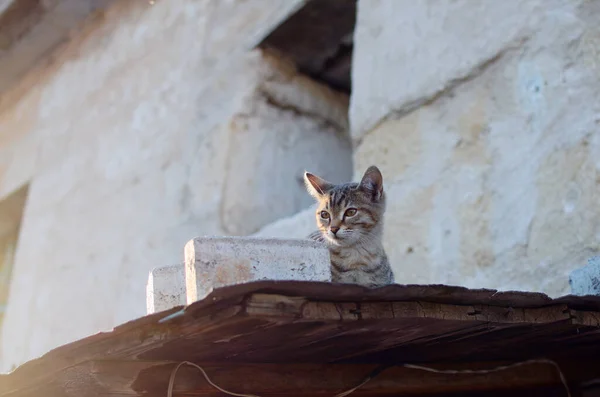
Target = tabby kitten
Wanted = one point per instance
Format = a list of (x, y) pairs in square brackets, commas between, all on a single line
[(350, 222)]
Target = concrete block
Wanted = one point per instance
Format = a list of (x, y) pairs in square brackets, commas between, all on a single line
[(212, 262), (586, 280), (165, 288)]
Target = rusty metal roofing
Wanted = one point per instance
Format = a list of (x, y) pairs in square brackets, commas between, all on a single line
[(311, 322)]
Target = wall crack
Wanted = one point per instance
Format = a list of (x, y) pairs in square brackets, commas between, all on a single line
[(264, 93), (446, 91)]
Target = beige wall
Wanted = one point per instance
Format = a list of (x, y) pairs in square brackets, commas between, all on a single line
[(150, 128), (484, 119), (485, 123)]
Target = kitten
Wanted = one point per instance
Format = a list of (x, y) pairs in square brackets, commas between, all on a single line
[(350, 221)]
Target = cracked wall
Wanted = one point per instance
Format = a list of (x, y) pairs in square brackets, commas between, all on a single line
[(484, 119), (148, 129)]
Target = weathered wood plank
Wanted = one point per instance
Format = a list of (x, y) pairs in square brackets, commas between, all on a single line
[(300, 307), (274, 305), (274, 328), (591, 319), (495, 342)]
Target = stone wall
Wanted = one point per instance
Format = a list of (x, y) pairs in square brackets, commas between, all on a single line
[(484, 119), (150, 128), (485, 122)]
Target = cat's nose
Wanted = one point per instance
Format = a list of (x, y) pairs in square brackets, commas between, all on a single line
[(334, 229)]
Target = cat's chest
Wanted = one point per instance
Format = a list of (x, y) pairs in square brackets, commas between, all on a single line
[(352, 258)]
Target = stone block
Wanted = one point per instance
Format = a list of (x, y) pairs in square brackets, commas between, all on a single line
[(213, 262), (165, 288), (586, 280)]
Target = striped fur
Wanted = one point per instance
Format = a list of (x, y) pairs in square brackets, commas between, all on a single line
[(350, 222)]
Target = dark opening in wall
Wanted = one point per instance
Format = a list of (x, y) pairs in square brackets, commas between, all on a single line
[(319, 39)]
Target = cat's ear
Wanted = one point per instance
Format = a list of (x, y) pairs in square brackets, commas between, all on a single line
[(372, 181), (316, 186)]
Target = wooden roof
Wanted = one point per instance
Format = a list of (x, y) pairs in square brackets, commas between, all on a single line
[(308, 338)]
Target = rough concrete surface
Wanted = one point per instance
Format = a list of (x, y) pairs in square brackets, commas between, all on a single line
[(488, 146), (165, 288), (284, 123), (213, 262), (493, 177), (30, 30), (408, 52), (586, 280)]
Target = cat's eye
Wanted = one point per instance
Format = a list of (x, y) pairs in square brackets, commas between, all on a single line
[(324, 214), (350, 212)]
